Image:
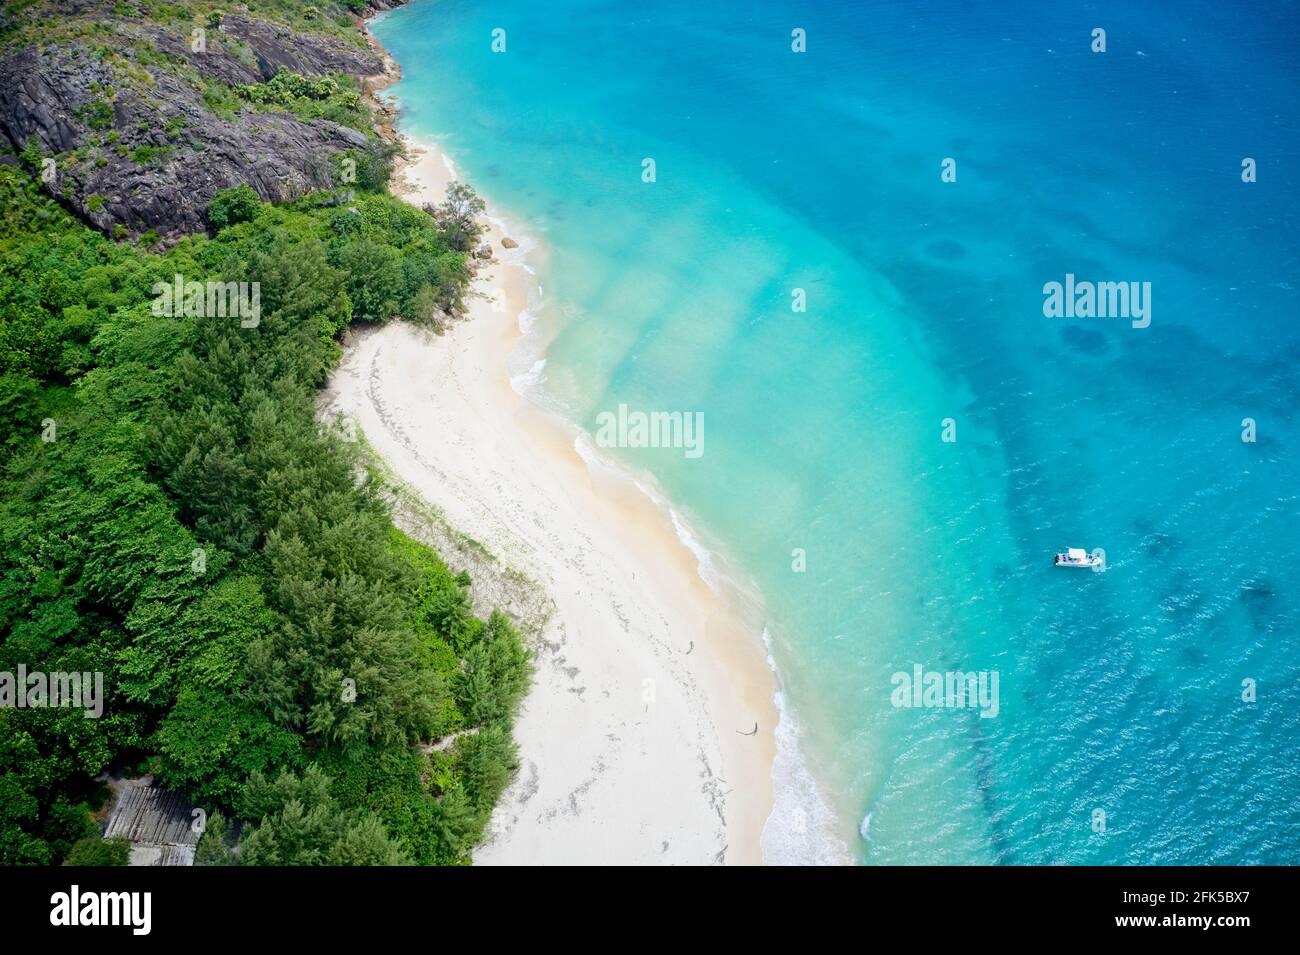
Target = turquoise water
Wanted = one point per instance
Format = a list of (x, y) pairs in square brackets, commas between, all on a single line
[(1119, 692)]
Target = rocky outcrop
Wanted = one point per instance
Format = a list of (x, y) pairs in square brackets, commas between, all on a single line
[(129, 121), (275, 48)]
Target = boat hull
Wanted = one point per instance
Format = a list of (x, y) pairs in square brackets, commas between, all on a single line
[(1061, 560)]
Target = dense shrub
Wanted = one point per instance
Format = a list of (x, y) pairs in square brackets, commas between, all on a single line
[(94, 851), (231, 206)]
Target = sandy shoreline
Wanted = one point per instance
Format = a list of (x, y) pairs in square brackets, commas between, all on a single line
[(631, 738)]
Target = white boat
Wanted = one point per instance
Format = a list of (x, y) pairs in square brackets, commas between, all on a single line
[(1076, 557)]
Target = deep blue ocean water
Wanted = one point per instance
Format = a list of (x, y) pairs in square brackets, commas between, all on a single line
[(1119, 692)]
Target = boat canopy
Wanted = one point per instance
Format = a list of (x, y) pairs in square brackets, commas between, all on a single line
[(1076, 553)]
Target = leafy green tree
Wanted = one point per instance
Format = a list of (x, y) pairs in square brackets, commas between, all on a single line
[(457, 216), (209, 742), (212, 848), (301, 824), (374, 166), (96, 851), (375, 283), (495, 675), (232, 206), (20, 795)]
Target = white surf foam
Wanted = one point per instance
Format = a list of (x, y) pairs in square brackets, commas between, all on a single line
[(704, 564), (801, 829), (531, 380)]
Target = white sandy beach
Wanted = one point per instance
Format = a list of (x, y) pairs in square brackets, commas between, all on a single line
[(631, 737)]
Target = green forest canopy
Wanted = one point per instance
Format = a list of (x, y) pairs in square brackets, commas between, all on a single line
[(271, 644)]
